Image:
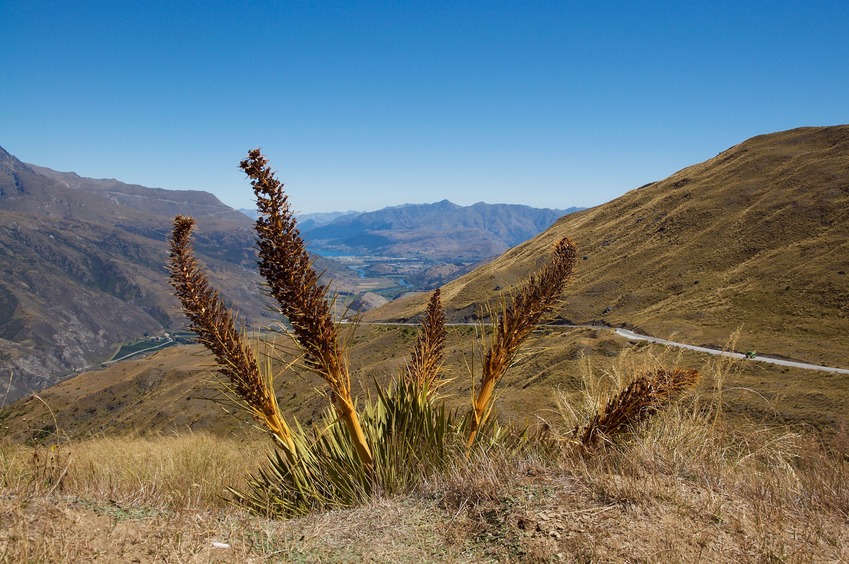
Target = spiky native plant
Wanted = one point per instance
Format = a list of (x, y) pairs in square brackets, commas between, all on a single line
[(647, 394), (423, 370), (403, 436), (514, 325), (294, 284), (332, 466), (410, 436), (216, 327)]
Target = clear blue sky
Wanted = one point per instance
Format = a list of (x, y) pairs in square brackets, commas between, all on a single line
[(361, 105)]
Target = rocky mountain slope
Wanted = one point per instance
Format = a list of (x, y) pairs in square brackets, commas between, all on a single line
[(84, 267), (755, 239)]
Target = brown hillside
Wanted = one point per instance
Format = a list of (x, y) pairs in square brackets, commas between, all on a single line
[(170, 391), (756, 237)]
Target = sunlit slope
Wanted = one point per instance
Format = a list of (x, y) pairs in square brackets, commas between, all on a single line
[(756, 237)]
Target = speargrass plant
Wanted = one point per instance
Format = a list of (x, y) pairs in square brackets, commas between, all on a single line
[(514, 325), (403, 437), (217, 329), (410, 435), (294, 284), (413, 439)]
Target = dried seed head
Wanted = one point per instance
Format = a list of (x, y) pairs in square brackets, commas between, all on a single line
[(294, 284), (535, 299), (647, 394), (216, 327), (426, 361)]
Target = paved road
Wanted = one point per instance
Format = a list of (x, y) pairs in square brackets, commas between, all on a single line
[(637, 337)]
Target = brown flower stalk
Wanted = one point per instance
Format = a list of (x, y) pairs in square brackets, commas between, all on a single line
[(535, 299), (650, 392), (426, 362), (294, 284), (216, 327)]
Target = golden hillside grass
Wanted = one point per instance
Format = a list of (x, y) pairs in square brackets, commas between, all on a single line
[(692, 485), (756, 237), (168, 392), (161, 473)]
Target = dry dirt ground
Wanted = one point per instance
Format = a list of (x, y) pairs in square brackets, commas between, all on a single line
[(614, 509)]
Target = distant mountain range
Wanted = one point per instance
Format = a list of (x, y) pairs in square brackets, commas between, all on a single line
[(420, 246), (439, 231)]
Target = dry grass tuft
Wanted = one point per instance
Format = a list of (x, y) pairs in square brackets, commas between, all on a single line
[(165, 473), (152, 499)]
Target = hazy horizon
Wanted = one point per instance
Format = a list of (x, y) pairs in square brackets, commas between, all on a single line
[(349, 212)]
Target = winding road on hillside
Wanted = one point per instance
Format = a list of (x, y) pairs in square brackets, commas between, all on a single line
[(638, 337)]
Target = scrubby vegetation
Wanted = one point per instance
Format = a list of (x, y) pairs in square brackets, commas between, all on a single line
[(692, 485)]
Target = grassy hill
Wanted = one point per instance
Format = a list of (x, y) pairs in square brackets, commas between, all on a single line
[(757, 237), (754, 238)]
